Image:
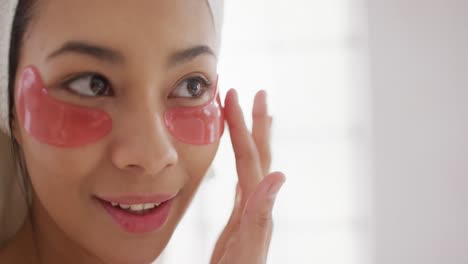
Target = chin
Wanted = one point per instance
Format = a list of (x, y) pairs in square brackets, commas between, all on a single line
[(130, 256)]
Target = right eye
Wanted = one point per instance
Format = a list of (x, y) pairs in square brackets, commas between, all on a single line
[(90, 85)]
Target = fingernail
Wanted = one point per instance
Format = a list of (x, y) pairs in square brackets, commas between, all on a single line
[(260, 107), (236, 97), (274, 189)]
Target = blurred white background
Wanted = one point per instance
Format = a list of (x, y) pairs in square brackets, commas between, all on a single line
[(369, 99), (419, 72)]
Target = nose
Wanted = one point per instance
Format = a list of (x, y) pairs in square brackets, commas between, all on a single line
[(142, 143)]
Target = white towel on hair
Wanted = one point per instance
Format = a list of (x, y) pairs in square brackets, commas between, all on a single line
[(12, 207), (7, 12)]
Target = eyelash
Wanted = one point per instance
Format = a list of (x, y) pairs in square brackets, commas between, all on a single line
[(66, 85), (207, 85)]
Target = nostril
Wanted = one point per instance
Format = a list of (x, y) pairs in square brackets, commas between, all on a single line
[(134, 169), (153, 163)]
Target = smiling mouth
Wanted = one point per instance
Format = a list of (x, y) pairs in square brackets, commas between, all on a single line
[(138, 214), (136, 208)]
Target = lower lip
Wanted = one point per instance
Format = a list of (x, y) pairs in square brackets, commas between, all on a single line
[(135, 223)]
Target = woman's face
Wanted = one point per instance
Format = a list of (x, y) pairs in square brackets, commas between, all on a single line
[(136, 51)]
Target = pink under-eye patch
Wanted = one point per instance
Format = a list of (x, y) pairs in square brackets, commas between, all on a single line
[(62, 124), (201, 125), (55, 122)]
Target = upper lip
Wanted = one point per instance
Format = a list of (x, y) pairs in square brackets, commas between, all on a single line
[(138, 199)]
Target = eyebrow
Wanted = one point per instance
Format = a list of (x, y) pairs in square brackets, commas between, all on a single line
[(115, 57), (189, 54), (88, 49)]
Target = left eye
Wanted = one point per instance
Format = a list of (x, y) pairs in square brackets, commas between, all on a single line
[(191, 88)]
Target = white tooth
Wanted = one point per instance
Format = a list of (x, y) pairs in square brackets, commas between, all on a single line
[(137, 207), (157, 204), (149, 206), (124, 206), (114, 204)]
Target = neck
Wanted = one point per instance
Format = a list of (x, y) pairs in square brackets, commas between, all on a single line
[(20, 249)]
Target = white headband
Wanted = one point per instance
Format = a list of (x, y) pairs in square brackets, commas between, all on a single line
[(7, 12)]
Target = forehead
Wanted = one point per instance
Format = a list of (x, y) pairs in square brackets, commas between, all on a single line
[(139, 27)]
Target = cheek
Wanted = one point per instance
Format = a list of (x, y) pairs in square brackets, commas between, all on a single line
[(196, 168), (59, 170), (53, 174), (54, 122)]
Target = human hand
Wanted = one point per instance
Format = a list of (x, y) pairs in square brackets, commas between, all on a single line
[(247, 235)]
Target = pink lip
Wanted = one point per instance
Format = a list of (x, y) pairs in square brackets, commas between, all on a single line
[(135, 223)]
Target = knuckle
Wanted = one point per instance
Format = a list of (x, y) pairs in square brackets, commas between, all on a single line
[(248, 155), (266, 158), (260, 115), (264, 220), (241, 155), (266, 162)]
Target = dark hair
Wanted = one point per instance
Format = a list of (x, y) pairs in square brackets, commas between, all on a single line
[(21, 21)]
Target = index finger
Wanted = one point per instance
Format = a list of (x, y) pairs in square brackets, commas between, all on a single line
[(247, 158), (261, 130)]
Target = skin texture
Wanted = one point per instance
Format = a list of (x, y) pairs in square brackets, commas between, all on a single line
[(134, 158)]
